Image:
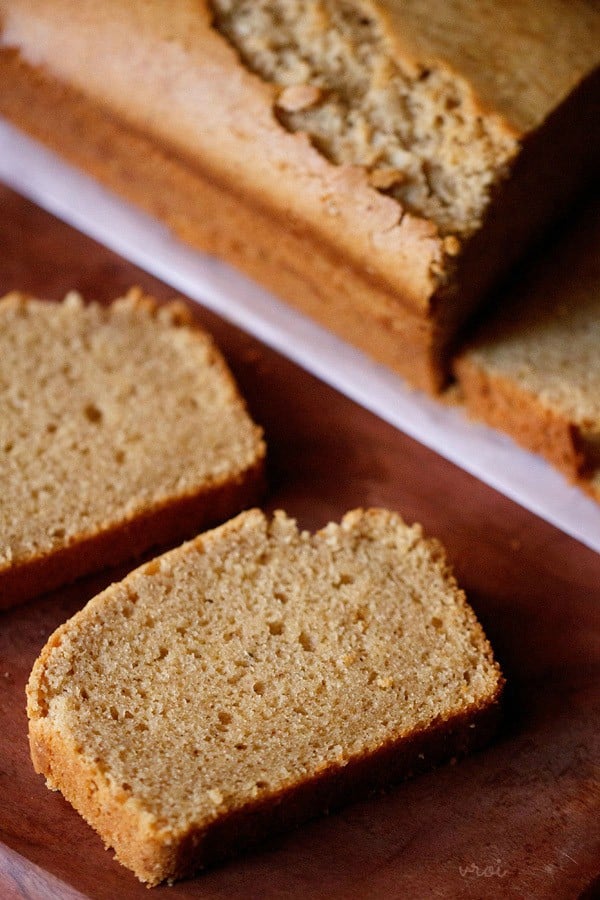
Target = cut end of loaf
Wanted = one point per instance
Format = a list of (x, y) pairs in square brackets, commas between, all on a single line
[(255, 677)]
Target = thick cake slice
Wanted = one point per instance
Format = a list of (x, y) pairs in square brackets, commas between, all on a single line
[(120, 428), (533, 369), (254, 677)]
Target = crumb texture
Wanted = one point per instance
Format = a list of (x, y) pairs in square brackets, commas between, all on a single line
[(416, 128), (257, 656), (545, 341), (106, 413)]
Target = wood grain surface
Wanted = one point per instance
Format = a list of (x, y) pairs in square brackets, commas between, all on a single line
[(520, 819)]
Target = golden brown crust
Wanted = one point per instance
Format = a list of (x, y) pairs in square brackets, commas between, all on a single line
[(103, 805), (357, 304), (500, 402), (107, 810), (199, 73)]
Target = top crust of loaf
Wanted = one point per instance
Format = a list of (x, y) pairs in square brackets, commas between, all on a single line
[(215, 679), (110, 415), (521, 57)]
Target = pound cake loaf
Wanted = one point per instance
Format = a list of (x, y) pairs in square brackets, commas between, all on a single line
[(120, 428), (254, 677), (377, 163), (533, 369)]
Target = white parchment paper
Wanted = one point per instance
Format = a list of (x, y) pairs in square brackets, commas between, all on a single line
[(39, 175)]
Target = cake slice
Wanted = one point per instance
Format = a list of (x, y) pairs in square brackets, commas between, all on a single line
[(533, 369), (121, 428), (254, 677)]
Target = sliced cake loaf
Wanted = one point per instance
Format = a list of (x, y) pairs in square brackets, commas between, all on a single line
[(254, 677), (377, 163), (533, 370), (120, 428)]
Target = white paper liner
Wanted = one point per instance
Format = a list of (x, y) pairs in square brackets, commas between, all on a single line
[(39, 175)]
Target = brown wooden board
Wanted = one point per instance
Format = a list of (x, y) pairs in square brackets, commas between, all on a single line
[(520, 819)]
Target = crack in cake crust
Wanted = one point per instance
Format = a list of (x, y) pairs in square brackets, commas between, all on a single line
[(416, 128)]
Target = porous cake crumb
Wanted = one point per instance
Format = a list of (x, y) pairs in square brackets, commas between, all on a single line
[(416, 128), (120, 427), (254, 677)]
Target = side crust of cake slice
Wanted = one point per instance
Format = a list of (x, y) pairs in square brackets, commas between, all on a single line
[(256, 677)]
